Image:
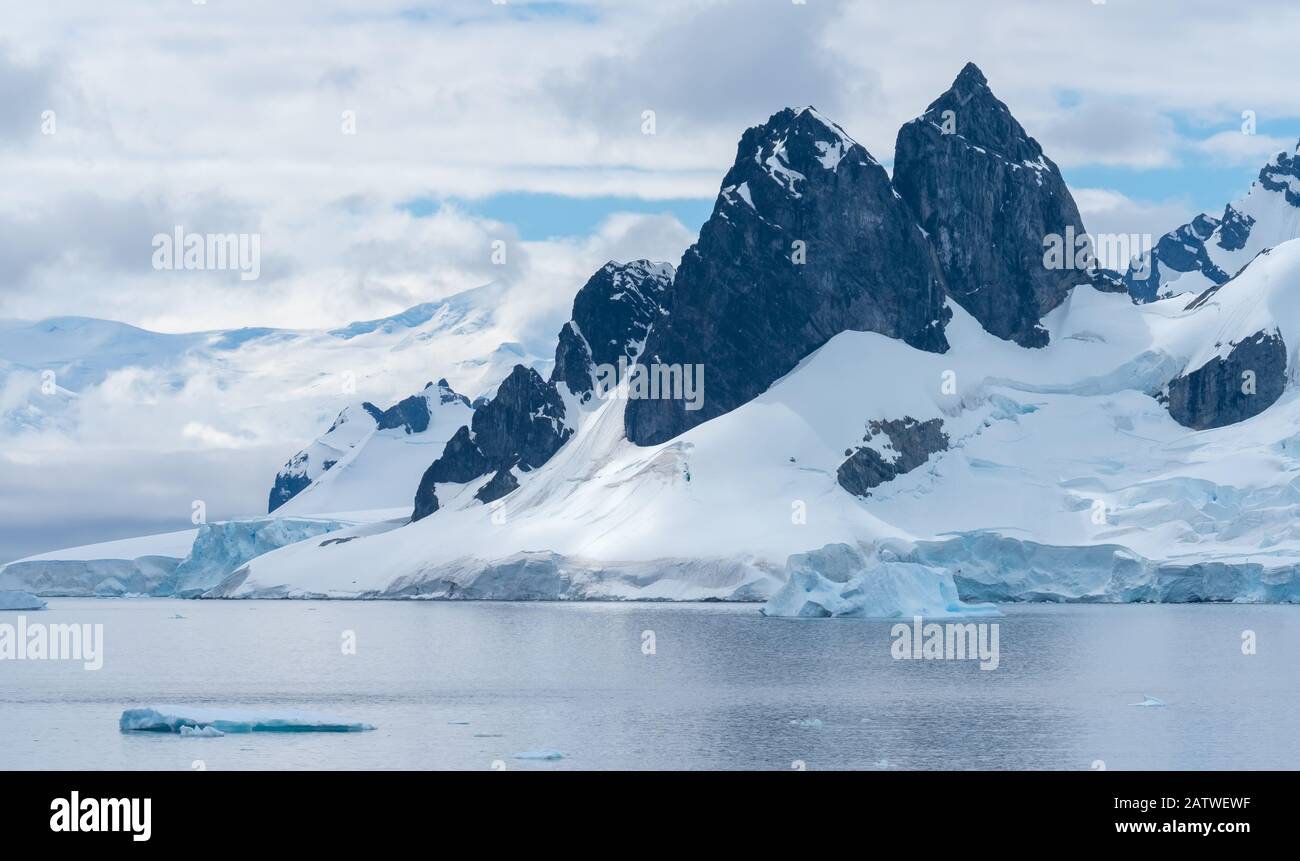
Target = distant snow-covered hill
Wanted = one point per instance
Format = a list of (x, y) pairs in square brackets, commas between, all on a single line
[(256, 369), (106, 428)]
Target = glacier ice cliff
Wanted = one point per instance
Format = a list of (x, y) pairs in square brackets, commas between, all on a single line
[(839, 580)]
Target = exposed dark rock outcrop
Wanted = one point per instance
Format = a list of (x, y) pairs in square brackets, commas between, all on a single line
[(461, 461), (523, 425), (1226, 390), (410, 413), (910, 442), (1281, 175), (413, 413), (988, 198), (807, 239), (290, 481), (501, 484), (612, 314), (1178, 251)]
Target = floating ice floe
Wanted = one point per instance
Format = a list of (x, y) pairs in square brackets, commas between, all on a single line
[(201, 732), (811, 723), (20, 601), (186, 720), (1150, 702), (542, 753)]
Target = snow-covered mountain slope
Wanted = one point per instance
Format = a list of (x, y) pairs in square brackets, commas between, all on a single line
[(280, 374), (1067, 467), (99, 417), (371, 459), (527, 420), (1207, 251)]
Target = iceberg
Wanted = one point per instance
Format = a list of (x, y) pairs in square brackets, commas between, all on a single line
[(542, 754), (810, 723), (1150, 702), (20, 601), (201, 732), (189, 721), (840, 580)]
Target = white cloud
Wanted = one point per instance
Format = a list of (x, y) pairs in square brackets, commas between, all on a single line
[(1242, 150), (209, 115)]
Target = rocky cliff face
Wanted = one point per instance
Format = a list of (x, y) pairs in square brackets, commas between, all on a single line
[(892, 448), (522, 426), (807, 239), (987, 197), (1232, 388), (612, 314)]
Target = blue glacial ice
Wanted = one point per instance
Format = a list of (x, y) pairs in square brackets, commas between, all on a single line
[(840, 580), (220, 548), (201, 732), (544, 753), (20, 601), (190, 720), (991, 567)]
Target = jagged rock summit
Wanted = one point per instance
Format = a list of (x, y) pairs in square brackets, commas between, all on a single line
[(807, 239), (987, 197), (612, 314)]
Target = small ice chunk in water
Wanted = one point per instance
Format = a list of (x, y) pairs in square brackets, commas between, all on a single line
[(201, 732), (20, 601), (544, 753), (174, 719), (1150, 702), (811, 723)]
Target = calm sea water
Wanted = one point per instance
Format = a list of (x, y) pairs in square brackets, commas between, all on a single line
[(467, 685)]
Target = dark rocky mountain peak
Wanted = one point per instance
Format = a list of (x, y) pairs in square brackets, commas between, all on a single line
[(988, 199), (522, 426), (612, 315), (807, 239)]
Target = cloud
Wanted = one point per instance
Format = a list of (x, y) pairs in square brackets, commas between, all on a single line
[(726, 66), (1242, 150), (219, 123), (27, 90), (1109, 132)]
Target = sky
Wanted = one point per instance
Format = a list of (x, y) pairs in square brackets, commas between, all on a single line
[(524, 122), (382, 150)]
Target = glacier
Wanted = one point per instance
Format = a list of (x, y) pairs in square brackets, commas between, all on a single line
[(839, 580), (220, 548), (181, 564)]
